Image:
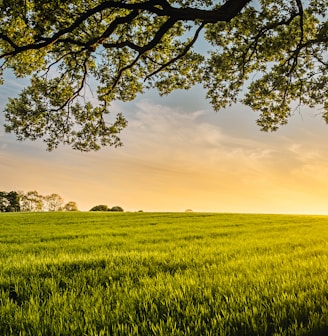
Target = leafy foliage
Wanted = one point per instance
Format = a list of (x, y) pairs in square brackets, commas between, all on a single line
[(116, 208), (101, 207), (9, 201), (277, 48), (70, 206), (53, 202), (32, 201)]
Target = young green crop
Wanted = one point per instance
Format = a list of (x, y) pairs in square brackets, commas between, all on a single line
[(163, 274)]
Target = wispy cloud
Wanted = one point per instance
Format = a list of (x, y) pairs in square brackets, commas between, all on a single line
[(178, 157)]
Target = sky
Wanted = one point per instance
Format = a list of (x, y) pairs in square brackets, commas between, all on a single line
[(179, 154)]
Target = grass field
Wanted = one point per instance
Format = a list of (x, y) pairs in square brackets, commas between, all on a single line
[(163, 274)]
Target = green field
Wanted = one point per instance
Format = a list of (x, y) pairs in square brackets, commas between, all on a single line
[(163, 274)]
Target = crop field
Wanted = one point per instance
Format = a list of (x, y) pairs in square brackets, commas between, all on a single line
[(163, 274)]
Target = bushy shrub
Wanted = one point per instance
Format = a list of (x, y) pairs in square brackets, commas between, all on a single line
[(101, 207), (71, 206), (116, 208)]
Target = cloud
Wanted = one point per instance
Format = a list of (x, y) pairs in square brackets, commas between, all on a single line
[(178, 156), (164, 134)]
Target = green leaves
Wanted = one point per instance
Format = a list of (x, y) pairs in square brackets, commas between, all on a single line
[(45, 110), (282, 48), (277, 48)]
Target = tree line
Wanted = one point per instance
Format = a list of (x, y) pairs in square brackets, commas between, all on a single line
[(32, 201)]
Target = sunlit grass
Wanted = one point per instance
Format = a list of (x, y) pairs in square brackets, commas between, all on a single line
[(163, 274)]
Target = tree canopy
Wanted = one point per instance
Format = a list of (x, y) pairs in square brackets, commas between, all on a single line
[(9, 201), (271, 55), (101, 207), (71, 206), (104, 207)]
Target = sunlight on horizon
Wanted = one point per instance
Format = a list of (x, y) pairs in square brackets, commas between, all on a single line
[(178, 154)]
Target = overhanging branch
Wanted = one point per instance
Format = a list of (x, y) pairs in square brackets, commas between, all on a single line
[(158, 7)]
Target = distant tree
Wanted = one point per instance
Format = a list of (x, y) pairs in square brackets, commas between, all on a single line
[(3, 201), (14, 201), (53, 202), (31, 201), (101, 207), (70, 206), (116, 208)]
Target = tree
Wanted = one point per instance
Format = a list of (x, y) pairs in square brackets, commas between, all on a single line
[(278, 48), (101, 207), (4, 203), (116, 208), (14, 201), (9, 201), (31, 201), (54, 202), (70, 206)]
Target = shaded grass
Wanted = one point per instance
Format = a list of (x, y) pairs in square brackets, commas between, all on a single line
[(163, 274)]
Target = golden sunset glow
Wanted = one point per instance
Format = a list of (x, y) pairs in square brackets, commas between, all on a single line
[(178, 154)]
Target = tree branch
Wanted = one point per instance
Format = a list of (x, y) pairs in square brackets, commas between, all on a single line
[(8, 40), (183, 53), (141, 50), (159, 7)]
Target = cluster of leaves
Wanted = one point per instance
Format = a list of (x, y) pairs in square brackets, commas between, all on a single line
[(130, 46), (281, 49)]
